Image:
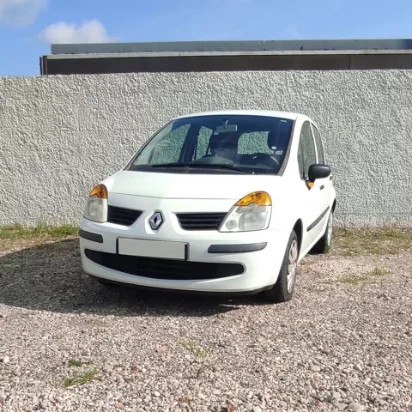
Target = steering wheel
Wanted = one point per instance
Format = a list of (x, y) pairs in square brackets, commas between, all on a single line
[(266, 159)]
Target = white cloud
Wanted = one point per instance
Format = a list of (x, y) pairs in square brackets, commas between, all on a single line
[(20, 13), (91, 31)]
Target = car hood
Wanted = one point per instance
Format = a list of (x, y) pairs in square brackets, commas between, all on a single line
[(189, 186)]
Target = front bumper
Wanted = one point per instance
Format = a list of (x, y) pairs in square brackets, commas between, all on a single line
[(259, 254)]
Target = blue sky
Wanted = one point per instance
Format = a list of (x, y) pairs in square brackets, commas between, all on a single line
[(28, 26)]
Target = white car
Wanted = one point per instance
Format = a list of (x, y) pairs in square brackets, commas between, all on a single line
[(224, 202)]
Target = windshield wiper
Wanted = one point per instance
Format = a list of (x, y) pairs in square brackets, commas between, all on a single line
[(173, 164), (200, 166), (217, 166)]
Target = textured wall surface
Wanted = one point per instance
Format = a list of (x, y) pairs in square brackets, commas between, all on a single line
[(61, 135)]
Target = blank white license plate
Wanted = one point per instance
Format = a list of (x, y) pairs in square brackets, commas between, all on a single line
[(152, 248)]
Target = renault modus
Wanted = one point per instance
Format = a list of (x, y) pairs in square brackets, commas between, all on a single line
[(222, 202)]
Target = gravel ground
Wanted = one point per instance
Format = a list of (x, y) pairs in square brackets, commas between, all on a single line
[(70, 344)]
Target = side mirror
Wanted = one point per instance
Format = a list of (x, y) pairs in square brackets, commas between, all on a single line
[(318, 171)]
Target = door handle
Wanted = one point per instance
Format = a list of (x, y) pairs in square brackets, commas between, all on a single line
[(322, 187)]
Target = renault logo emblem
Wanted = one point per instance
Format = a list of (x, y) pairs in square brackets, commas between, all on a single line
[(156, 220)]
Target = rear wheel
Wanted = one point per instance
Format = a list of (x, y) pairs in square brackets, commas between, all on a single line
[(325, 242), (283, 289)]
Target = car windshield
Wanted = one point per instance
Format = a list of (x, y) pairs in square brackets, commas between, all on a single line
[(217, 144)]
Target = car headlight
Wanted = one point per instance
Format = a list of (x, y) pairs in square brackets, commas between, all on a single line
[(96, 206), (252, 212)]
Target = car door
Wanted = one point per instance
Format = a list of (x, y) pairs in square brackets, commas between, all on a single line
[(325, 185), (311, 205)]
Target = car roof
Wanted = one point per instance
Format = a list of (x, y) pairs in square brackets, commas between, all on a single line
[(266, 113)]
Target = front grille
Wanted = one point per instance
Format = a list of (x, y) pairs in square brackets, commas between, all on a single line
[(164, 268), (122, 216), (200, 221)]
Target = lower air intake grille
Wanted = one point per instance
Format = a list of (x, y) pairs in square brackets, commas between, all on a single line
[(200, 221), (164, 268), (122, 216)]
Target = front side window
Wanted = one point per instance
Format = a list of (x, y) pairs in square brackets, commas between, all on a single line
[(319, 145), (226, 143), (306, 152)]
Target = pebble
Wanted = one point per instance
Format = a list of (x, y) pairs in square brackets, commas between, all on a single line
[(6, 359), (355, 407), (314, 368), (257, 409)]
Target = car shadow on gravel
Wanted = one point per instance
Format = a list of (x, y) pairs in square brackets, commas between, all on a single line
[(50, 277)]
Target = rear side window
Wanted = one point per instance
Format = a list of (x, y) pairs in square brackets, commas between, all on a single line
[(306, 152), (255, 142), (319, 145)]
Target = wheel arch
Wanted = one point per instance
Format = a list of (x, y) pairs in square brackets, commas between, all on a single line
[(298, 229)]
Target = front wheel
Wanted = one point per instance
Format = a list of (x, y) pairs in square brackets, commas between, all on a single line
[(282, 290)]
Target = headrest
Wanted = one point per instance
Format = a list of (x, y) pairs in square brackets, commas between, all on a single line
[(222, 140)]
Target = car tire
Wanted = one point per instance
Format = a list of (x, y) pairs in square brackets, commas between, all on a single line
[(282, 290), (325, 242)]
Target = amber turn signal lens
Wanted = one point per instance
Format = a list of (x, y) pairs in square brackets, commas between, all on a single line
[(99, 191), (310, 184), (260, 198)]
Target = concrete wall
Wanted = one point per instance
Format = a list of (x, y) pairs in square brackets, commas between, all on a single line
[(61, 135)]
